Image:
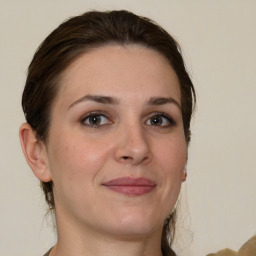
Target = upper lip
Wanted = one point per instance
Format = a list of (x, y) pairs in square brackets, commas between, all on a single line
[(129, 181)]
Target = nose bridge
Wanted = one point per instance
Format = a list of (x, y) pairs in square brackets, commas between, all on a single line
[(134, 144)]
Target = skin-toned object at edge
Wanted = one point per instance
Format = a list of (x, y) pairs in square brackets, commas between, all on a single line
[(247, 249)]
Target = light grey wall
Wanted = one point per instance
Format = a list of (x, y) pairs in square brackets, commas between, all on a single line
[(218, 40)]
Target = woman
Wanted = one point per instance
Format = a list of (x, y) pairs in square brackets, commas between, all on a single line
[(108, 104)]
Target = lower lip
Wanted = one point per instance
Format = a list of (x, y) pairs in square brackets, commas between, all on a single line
[(132, 190)]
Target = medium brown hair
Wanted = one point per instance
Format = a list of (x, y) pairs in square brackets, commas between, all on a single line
[(79, 35)]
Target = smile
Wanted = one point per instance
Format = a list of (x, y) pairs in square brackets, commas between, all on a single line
[(131, 186)]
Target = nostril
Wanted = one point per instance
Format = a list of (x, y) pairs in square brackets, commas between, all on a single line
[(125, 157)]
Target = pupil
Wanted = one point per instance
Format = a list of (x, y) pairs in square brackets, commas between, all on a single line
[(156, 121), (94, 120)]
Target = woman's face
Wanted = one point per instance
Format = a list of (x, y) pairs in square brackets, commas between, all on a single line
[(116, 149)]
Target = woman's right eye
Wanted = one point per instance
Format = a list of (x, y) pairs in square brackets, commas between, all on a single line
[(95, 120)]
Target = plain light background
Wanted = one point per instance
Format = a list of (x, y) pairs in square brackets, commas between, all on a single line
[(218, 38)]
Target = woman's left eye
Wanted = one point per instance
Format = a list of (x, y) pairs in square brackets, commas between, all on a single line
[(95, 120), (160, 120)]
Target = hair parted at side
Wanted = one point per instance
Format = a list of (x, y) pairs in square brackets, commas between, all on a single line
[(79, 35)]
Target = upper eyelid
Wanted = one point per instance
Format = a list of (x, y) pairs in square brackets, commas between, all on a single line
[(97, 112), (166, 116), (159, 113), (105, 113)]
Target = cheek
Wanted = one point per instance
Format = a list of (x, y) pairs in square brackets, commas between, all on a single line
[(172, 155), (172, 158), (77, 159), (75, 165)]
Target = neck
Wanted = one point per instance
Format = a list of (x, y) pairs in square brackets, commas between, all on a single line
[(83, 241), (105, 248)]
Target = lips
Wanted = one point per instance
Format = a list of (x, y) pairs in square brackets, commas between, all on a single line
[(131, 186)]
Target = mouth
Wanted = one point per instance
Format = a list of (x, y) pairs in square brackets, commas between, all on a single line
[(131, 186)]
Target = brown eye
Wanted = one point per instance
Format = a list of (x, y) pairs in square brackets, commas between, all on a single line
[(161, 120), (156, 120), (95, 120)]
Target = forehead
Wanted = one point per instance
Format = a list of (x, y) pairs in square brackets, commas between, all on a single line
[(121, 71)]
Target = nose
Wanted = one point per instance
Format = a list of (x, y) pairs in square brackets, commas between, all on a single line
[(133, 146)]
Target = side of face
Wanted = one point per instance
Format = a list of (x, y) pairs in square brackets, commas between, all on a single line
[(117, 117)]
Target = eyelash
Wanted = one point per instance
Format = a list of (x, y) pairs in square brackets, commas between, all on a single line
[(170, 120), (94, 114)]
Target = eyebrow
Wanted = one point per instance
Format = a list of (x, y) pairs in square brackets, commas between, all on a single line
[(114, 101), (163, 101), (96, 98)]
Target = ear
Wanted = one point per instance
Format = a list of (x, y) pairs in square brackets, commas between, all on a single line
[(35, 153)]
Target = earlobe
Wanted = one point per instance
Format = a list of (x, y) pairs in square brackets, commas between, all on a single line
[(184, 177), (35, 153)]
